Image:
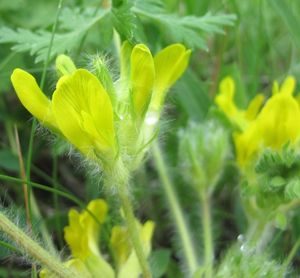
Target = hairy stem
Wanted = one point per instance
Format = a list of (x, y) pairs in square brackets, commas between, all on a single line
[(34, 249), (184, 235), (207, 234), (122, 185)]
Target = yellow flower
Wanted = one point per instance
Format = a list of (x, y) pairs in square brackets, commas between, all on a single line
[(123, 253), (80, 109), (82, 236), (277, 124), (225, 101), (98, 125)]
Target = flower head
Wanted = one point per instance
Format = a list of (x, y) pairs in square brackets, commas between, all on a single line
[(225, 101), (277, 124), (103, 120), (82, 236)]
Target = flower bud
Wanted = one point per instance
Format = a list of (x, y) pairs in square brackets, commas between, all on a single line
[(64, 65)]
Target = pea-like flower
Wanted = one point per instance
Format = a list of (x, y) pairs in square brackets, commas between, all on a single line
[(277, 124), (82, 236), (105, 121), (225, 100)]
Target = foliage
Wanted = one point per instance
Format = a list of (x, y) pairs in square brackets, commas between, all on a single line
[(253, 42)]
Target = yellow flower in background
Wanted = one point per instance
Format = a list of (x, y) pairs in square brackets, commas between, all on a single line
[(82, 236), (84, 111), (225, 101), (277, 124), (124, 256)]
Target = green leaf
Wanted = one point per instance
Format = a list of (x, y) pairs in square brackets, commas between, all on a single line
[(292, 190), (36, 43), (123, 20), (190, 30), (159, 261), (277, 182)]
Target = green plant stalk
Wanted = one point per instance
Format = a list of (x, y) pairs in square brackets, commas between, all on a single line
[(56, 201), (34, 249), (33, 207), (207, 233), (122, 186), (289, 258), (64, 194), (185, 237)]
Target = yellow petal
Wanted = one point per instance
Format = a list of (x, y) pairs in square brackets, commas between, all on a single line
[(120, 245), (32, 97), (170, 63), (82, 234), (131, 267), (76, 265), (142, 78), (77, 96), (275, 88), (247, 144), (279, 121), (98, 267), (225, 99), (254, 106), (288, 85)]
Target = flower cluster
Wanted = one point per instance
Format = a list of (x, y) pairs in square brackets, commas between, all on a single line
[(275, 124), (105, 120), (83, 234)]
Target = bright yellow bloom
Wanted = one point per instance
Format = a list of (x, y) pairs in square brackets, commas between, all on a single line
[(99, 126), (277, 124), (82, 236), (124, 256), (225, 101)]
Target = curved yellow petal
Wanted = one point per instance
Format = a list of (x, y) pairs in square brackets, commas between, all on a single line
[(279, 121), (32, 97), (74, 264), (275, 88), (83, 112), (288, 85), (254, 106), (142, 78), (120, 245), (82, 234), (247, 144), (170, 63), (131, 266), (225, 99)]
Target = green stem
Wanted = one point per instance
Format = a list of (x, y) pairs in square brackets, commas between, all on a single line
[(185, 237), (34, 249), (123, 192), (56, 201), (207, 234), (259, 234), (33, 207), (289, 258), (9, 247)]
